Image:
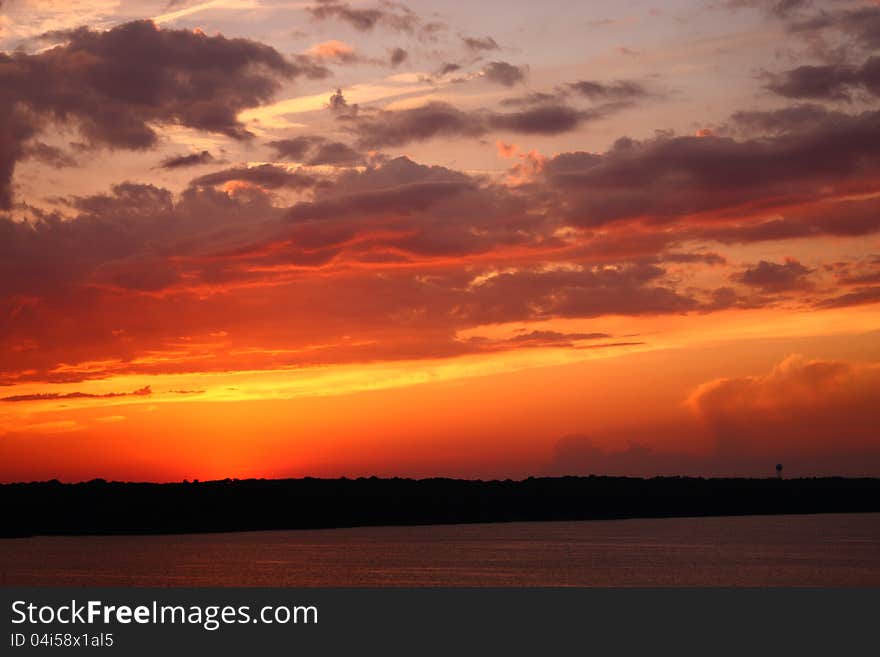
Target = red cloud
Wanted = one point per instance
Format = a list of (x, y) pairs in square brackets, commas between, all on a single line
[(816, 417), (333, 50), (799, 409)]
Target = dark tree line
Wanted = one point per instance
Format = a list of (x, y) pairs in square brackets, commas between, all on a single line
[(100, 507)]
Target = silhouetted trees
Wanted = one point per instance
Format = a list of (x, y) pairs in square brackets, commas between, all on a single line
[(101, 507)]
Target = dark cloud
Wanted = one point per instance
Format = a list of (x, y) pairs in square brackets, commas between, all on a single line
[(504, 73), (725, 297), (404, 211), (116, 85), (534, 98), (618, 90), (315, 150), (267, 176), (398, 187), (193, 159), (445, 69), (48, 396), (399, 127), (542, 120), (295, 148), (127, 200), (556, 336), (705, 258), (671, 177), (438, 119), (547, 339), (627, 289), (430, 30), (776, 277), (544, 338), (398, 56), (310, 67), (829, 82), (339, 105), (399, 200), (181, 76), (361, 19), (51, 155), (480, 43), (620, 93), (448, 68), (787, 119), (859, 273), (859, 24), (858, 297), (836, 217), (390, 15), (778, 8), (336, 154), (16, 128)]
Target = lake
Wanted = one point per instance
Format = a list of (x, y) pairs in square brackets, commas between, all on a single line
[(795, 550)]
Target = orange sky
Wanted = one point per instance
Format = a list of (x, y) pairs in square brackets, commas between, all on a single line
[(345, 239)]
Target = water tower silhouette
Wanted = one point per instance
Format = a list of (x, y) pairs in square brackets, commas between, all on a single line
[(779, 471)]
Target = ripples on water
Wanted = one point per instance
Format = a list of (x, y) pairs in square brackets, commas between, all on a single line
[(815, 550)]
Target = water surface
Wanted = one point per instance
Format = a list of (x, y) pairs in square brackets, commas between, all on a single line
[(804, 550)]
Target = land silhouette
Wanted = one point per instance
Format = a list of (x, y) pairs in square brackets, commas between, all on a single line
[(102, 507)]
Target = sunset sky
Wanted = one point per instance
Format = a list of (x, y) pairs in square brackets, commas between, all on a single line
[(262, 238)]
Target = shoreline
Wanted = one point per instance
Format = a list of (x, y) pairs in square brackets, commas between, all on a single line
[(100, 508), (439, 525)]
